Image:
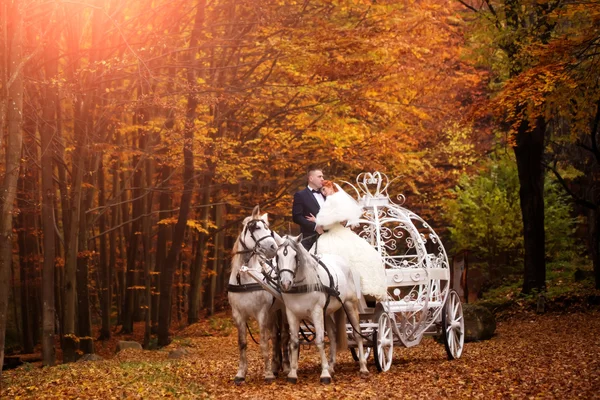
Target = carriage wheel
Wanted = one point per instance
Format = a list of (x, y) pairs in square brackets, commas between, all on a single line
[(354, 352), (383, 348), (453, 325)]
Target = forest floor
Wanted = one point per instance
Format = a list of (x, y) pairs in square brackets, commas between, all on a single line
[(550, 356)]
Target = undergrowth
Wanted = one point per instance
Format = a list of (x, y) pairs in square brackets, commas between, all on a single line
[(570, 286)]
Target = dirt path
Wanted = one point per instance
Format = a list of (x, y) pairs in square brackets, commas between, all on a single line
[(551, 356)]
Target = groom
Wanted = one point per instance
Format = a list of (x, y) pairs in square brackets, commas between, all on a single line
[(307, 203)]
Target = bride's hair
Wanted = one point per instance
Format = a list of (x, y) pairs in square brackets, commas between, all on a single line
[(330, 185)]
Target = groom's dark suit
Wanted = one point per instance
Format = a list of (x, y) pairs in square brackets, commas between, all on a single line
[(304, 205)]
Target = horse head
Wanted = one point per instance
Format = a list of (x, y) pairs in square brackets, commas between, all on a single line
[(288, 253), (256, 235)]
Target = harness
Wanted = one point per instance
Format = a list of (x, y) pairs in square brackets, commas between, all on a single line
[(331, 290)]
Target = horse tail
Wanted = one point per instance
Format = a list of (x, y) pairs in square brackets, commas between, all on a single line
[(341, 338)]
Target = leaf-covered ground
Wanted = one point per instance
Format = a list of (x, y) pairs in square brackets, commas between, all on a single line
[(554, 356)]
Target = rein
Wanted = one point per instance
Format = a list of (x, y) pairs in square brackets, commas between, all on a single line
[(254, 287)]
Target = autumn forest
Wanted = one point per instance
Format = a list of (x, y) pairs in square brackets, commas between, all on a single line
[(136, 136)]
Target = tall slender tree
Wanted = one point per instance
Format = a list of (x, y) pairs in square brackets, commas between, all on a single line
[(47, 133), (166, 279), (11, 71)]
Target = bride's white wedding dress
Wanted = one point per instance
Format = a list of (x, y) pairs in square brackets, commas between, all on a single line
[(363, 258)]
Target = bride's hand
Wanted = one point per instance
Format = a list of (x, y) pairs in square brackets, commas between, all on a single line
[(311, 218)]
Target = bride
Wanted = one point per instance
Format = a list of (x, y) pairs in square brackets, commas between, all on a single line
[(338, 211)]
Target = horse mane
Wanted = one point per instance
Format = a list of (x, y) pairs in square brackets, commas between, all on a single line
[(236, 256), (305, 261)]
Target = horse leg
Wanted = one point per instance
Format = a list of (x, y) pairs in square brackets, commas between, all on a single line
[(285, 342), (354, 319), (331, 334), (276, 333), (281, 342), (294, 324), (318, 322), (264, 323), (240, 324)]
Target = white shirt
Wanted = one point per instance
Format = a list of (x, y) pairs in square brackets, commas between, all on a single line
[(318, 196)]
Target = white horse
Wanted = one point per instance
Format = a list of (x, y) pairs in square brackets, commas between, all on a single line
[(249, 299), (315, 289)]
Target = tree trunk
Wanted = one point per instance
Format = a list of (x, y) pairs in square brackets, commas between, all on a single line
[(70, 342), (27, 236), (104, 269), (59, 159), (218, 243), (147, 242), (12, 86), (131, 274), (166, 281), (118, 217), (197, 265), (164, 234), (179, 288), (529, 152), (165, 204), (130, 310), (115, 279), (58, 277), (47, 132), (84, 317), (594, 240), (26, 278)]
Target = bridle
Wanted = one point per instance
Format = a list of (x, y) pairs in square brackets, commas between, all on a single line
[(279, 271), (251, 226)]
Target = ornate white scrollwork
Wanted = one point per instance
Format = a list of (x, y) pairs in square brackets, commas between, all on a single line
[(407, 243)]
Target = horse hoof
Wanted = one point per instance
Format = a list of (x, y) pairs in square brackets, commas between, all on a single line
[(364, 375), (239, 381), (326, 380), (270, 380), (292, 380)]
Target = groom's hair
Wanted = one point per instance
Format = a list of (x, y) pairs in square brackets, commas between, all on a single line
[(311, 169)]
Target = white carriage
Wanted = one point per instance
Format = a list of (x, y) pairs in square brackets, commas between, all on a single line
[(420, 300)]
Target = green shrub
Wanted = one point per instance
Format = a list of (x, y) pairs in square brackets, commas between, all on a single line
[(485, 219)]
